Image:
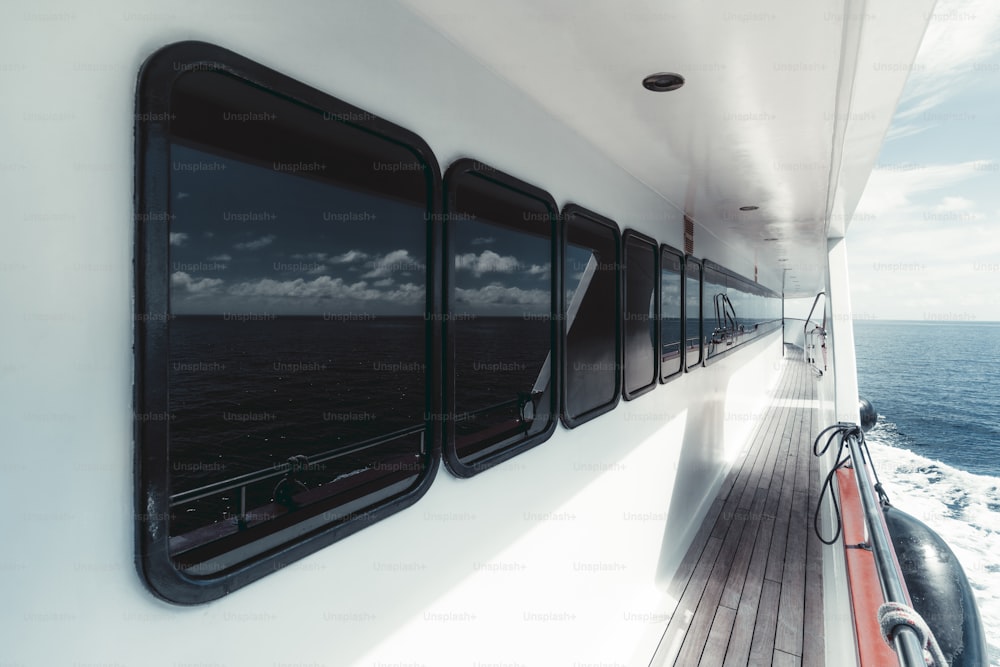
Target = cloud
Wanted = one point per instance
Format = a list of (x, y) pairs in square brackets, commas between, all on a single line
[(891, 191), (256, 244), (349, 257), (496, 294), (482, 240), (220, 258), (542, 271), (325, 287), (386, 265), (954, 204), (961, 35), (487, 262), (195, 287), (178, 238)]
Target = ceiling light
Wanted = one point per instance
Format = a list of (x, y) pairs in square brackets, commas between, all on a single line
[(663, 82)]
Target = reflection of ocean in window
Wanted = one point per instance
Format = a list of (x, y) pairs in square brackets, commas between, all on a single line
[(670, 314), (298, 327), (501, 327), (692, 313)]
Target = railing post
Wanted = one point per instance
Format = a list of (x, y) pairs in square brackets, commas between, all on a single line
[(242, 520)]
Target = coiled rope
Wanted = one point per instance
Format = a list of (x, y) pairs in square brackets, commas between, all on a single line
[(892, 615), (844, 430)]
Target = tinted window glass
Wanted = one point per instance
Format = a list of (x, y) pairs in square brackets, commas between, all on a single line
[(640, 314), (692, 312), (502, 294), (719, 312), (296, 283), (671, 264), (738, 309), (590, 315)]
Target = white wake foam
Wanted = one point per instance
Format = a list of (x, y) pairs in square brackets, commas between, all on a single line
[(963, 508)]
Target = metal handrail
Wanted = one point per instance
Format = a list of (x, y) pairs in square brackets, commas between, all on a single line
[(243, 481), (730, 320), (805, 327), (907, 643)]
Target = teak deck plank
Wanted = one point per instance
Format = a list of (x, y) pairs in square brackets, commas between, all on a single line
[(753, 574)]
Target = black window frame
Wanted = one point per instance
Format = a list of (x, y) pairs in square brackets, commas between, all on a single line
[(667, 249), (639, 237), (574, 212), (461, 169), (157, 76), (690, 260)]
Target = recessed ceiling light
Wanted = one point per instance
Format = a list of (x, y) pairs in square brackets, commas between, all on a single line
[(749, 208), (663, 82)]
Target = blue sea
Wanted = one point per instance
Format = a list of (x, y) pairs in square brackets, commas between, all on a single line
[(936, 386)]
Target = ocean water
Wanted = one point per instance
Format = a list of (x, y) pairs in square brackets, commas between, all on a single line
[(936, 386), (245, 394)]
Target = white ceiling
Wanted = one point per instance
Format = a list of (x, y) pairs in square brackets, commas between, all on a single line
[(785, 103)]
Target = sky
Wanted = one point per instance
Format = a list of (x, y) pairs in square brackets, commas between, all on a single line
[(249, 239), (924, 243)]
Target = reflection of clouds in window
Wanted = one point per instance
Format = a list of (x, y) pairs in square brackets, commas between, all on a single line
[(540, 271), (195, 287), (348, 257), (397, 260), (670, 294), (256, 244), (482, 240), (326, 287), (496, 294), (178, 238), (220, 258), (486, 262)]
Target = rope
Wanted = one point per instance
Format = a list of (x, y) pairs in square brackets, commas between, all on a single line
[(843, 430), (891, 615)]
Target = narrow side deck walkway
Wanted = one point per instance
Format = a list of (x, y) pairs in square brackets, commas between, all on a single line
[(750, 587)]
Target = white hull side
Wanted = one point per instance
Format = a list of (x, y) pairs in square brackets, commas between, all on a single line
[(69, 580)]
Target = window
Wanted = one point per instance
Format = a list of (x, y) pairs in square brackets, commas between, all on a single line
[(671, 313), (501, 273), (286, 329), (640, 314), (692, 313), (590, 316), (738, 310), (720, 315)]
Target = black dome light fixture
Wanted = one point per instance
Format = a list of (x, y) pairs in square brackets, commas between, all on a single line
[(663, 82)]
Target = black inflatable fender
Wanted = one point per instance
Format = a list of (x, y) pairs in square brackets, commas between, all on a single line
[(939, 590)]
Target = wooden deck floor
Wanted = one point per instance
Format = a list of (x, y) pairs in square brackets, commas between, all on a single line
[(750, 587)]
